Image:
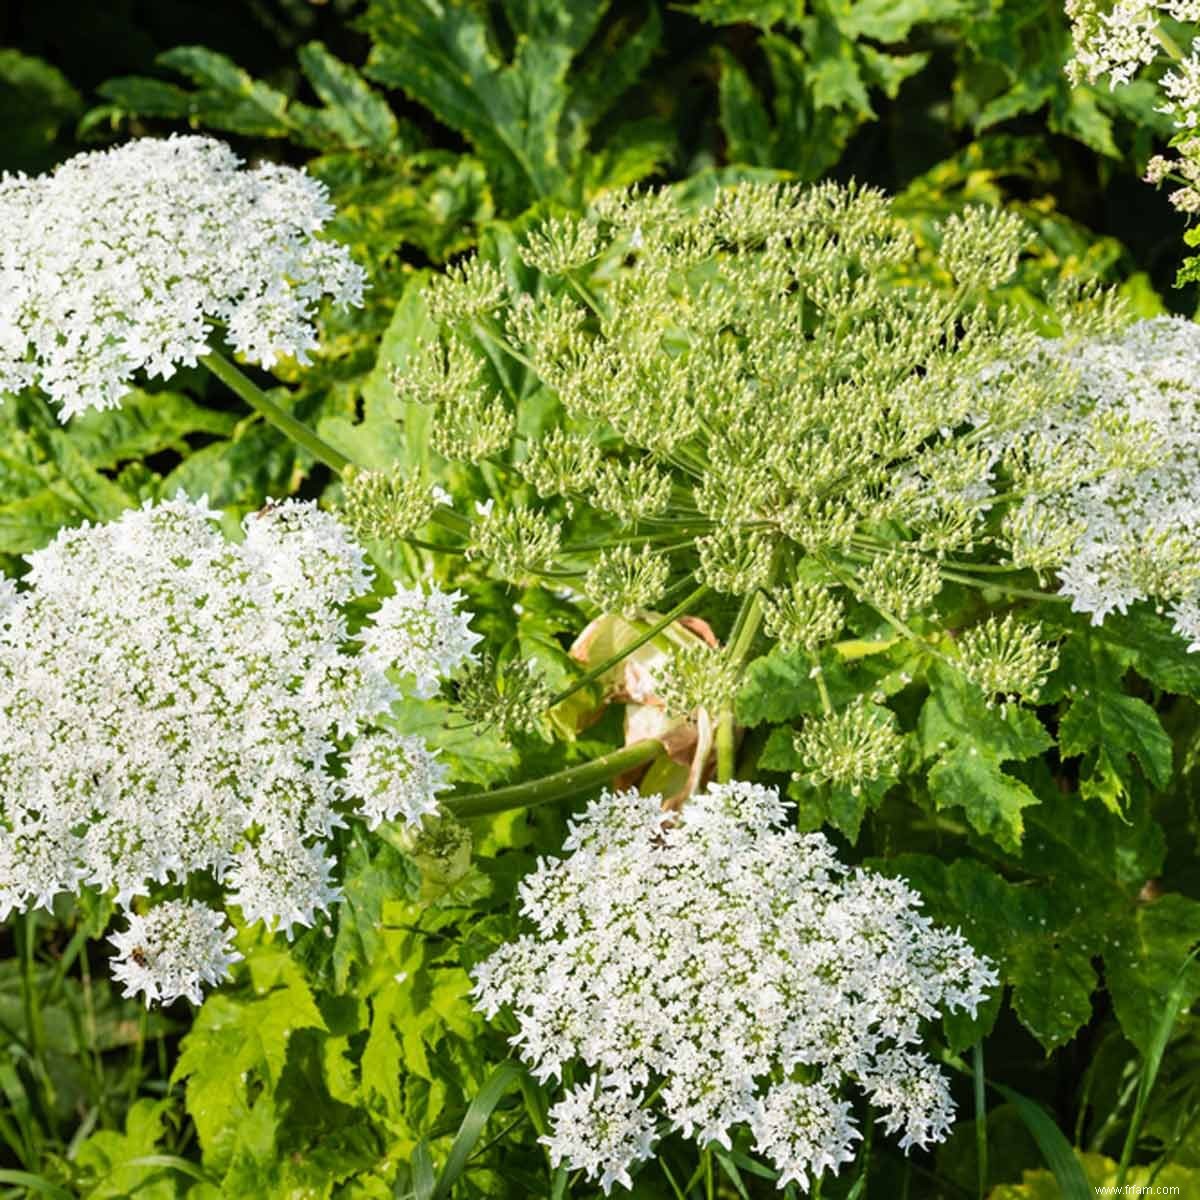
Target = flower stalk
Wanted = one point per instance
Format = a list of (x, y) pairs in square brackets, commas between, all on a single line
[(245, 389), (560, 785)]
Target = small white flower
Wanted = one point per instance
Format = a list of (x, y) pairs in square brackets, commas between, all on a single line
[(393, 775), (420, 635), (600, 1132), (175, 950)]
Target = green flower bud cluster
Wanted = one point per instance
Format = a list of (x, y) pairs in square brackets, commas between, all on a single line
[(698, 676), (384, 505), (511, 698), (850, 748), (1006, 658), (785, 395), (513, 542), (624, 580)]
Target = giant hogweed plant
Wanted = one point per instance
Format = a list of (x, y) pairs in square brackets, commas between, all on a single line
[(769, 403), (952, 508)]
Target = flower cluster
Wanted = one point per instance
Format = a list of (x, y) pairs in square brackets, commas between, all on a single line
[(1115, 464), (174, 950), (777, 390), (735, 971), (1119, 42), (123, 260), (173, 703)]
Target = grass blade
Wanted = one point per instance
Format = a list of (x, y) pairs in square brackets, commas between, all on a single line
[(1158, 1046), (481, 1108), (35, 1183), (732, 1173), (422, 1171), (1056, 1150)]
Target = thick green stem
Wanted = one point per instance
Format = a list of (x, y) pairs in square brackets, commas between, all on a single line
[(245, 389), (558, 786), (725, 746), (745, 630), (608, 664)]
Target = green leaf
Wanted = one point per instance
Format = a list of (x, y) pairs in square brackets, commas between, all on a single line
[(745, 121), (1106, 725), (145, 424), (779, 687), (36, 1183), (1028, 932), (890, 20), (31, 522), (356, 112), (443, 56), (970, 742), (956, 713), (470, 755), (1147, 642), (234, 1035), (36, 103), (529, 115), (353, 115), (237, 473), (612, 69), (120, 1164), (95, 494), (368, 881), (1143, 966), (837, 83), (382, 1057), (230, 98), (138, 95), (993, 800), (1077, 897)]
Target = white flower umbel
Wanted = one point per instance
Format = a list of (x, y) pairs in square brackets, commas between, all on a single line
[(173, 703), (736, 971), (1115, 469), (603, 1132), (422, 636), (395, 776), (177, 949), (121, 261)]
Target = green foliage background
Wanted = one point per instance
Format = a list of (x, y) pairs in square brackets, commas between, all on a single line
[(351, 1063)]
